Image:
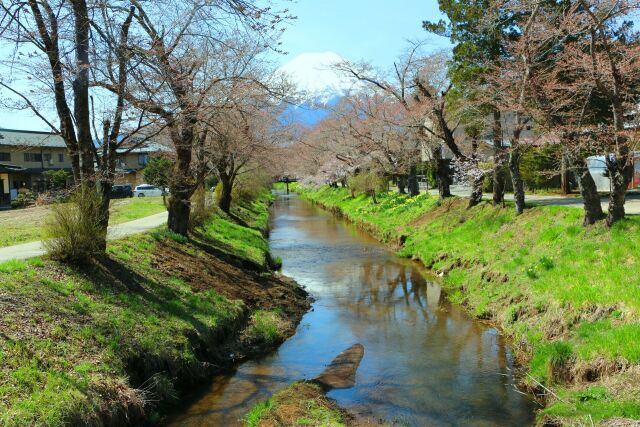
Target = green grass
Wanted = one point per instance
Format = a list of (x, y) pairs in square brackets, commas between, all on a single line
[(300, 404), (70, 336), (76, 343), (383, 219), (124, 210), (237, 240), (24, 225), (569, 296), (254, 213), (265, 326)]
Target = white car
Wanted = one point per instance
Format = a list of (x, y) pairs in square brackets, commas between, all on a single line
[(146, 190)]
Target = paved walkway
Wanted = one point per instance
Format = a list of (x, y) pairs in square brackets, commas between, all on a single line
[(632, 205), (34, 249)]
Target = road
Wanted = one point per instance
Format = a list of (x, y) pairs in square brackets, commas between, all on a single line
[(632, 206), (34, 249)]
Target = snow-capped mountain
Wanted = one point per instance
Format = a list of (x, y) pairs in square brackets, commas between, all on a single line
[(315, 78), (319, 86)]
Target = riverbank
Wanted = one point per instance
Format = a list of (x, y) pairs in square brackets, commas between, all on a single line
[(120, 341), (566, 296)]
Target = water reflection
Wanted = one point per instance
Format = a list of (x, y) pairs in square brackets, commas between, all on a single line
[(426, 362)]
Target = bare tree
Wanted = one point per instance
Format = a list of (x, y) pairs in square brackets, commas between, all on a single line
[(579, 61), (420, 86), (182, 50)]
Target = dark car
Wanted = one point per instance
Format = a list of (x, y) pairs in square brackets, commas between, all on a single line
[(121, 191)]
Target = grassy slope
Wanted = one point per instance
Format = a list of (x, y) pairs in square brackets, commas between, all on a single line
[(24, 225), (569, 297), (247, 242), (86, 346)]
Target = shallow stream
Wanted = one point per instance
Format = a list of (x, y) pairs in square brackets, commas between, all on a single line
[(426, 362)]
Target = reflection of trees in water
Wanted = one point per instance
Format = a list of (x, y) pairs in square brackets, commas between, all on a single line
[(385, 290), (397, 301)]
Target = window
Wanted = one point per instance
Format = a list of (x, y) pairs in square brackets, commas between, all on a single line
[(143, 159), (47, 158), (61, 158), (5, 157), (32, 157)]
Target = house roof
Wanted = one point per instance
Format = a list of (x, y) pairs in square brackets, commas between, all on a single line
[(28, 138), (9, 168), (147, 147)]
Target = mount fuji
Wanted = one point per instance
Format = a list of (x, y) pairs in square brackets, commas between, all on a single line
[(320, 87)]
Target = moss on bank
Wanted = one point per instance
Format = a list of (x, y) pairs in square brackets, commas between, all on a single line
[(117, 341), (567, 296)]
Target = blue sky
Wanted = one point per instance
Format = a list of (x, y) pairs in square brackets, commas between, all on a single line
[(373, 30)]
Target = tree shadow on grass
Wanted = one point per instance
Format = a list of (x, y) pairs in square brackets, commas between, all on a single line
[(224, 252), (109, 274)]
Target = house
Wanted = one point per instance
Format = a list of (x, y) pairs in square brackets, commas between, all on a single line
[(24, 156), (134, 157)]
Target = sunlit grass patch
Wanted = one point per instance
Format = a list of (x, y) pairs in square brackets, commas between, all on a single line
[(237, 240), (266, 326), (13, 266)]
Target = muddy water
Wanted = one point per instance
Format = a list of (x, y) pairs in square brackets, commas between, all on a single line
[(425, 362)]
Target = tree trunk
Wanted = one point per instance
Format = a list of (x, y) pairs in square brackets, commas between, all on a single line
[(49, 36), (81, 91), (179, 211), (620, 173), (592, 207), (224, 202), (499, 158), (476, 191), (181, 190), (565, 187), (516, 179), (402, 184), (105, 201), (413, 186), (442, 173)]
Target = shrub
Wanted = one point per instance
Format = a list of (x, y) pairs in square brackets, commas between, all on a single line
[(248, 187), (25, 198), (369, 183), (158, 171), (72, 231), (57, 178)]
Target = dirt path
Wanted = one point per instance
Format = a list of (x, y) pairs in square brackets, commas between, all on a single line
[(34, 249)]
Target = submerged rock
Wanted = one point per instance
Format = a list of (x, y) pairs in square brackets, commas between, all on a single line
[(341, 373)]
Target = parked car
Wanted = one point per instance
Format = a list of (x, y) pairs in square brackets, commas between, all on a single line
[(121, 191), (145, 190)]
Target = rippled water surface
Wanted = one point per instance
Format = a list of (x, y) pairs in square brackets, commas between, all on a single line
[(425, 362)]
